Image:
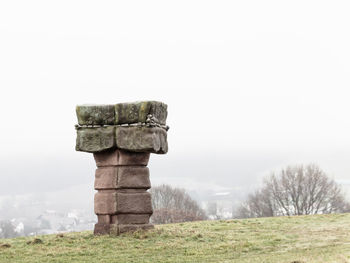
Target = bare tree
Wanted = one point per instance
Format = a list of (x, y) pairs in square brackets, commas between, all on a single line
[(296, 190), (172, 205)]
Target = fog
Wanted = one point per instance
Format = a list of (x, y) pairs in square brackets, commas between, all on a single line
[(251, 87)]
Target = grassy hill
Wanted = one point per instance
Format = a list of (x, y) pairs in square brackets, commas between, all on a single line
[(321, 238)]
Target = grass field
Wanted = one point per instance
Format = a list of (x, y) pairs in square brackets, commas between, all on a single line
[(321, 238)]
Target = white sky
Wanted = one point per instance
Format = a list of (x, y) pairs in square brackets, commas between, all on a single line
[(249, 84)]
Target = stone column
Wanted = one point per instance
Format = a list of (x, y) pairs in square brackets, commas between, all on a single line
[(121, 138), (122, 202)]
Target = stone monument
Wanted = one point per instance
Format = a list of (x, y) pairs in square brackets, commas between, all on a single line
[(121, 138)]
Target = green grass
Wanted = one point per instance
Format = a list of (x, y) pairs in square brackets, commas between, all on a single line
[(321, 238)]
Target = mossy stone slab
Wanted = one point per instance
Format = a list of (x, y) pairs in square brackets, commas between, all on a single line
[(95, 139), (134, 112), (95, 114), (142, 139)]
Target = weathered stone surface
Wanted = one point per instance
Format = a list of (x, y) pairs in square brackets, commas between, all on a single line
[(142, 139), (120, 157), (133, 158), (133, 139), (95, 139), (135, 112), (130, 219), (107, 158), (106, 229), (102, 229), (106, 178), (105, 202), (133, 177), (122, 177), (134, 203), (104, 219), (95, 114), (163, 142), (111, 202), (133, 228)]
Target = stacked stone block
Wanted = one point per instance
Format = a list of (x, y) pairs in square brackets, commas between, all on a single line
[(121, 137)]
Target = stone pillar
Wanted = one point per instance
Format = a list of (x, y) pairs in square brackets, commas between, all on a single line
[(122, 202), (121, 144)]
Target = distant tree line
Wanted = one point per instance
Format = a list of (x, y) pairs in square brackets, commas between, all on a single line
[(173, 205), (295, 190)]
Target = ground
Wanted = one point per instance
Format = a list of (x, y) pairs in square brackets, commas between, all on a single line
[(320, 238)]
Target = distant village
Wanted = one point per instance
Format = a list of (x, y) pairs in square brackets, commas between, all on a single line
[(49, 221), (27, 217)]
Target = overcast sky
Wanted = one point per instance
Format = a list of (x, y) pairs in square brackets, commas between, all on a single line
[(251, 86)]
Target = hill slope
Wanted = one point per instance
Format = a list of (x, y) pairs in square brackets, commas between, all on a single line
[(321, 238)]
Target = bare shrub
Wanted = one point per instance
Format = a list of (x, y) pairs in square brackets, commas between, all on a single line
[(173, 205), (296, 190)]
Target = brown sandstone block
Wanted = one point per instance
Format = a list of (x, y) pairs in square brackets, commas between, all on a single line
[(142, 139), (104, 219), (105, 202), (133, 158), (101, 229), (107, 158), (134, 203), (120, 157), (106, 229), (122, 177), (130, 219), (106, 178), (109, 202), (95, 139), (134, 177), (133, 228)]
